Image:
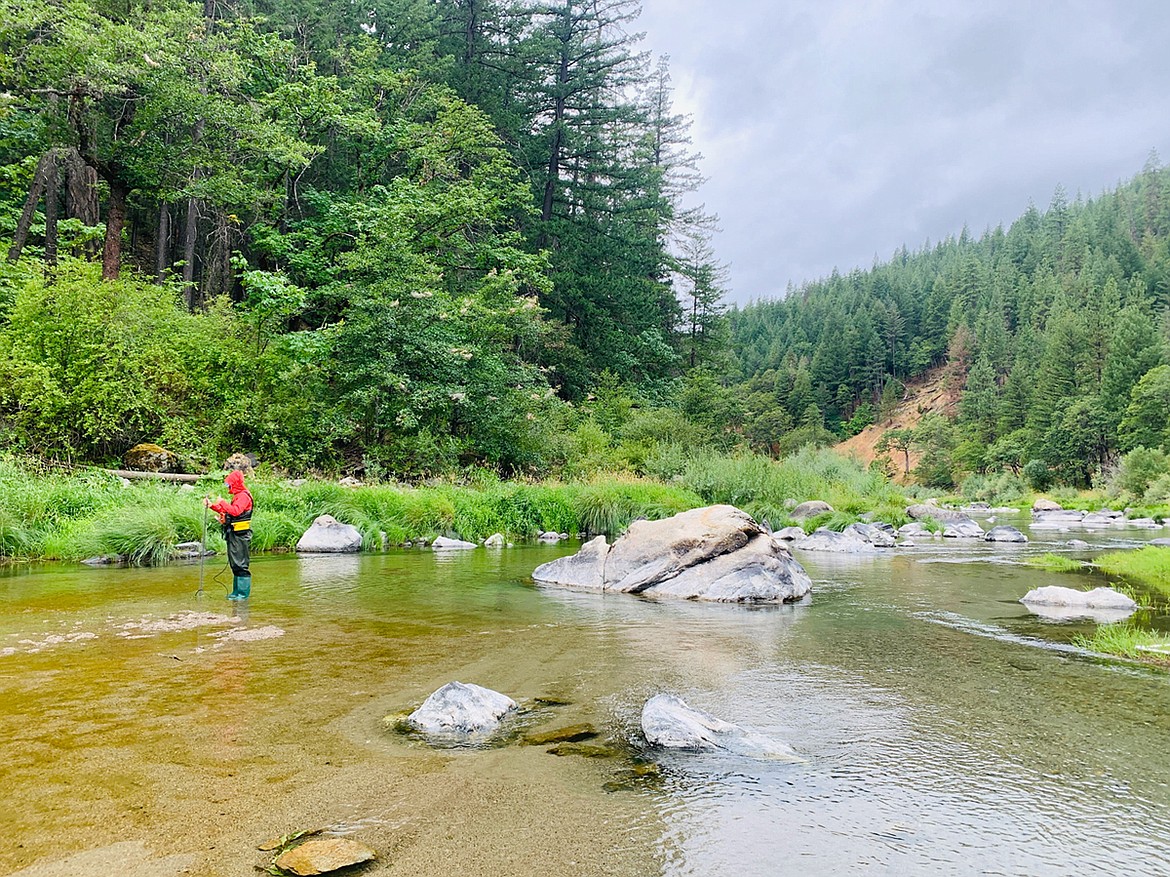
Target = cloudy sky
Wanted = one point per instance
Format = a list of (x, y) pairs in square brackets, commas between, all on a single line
[(836, 130)]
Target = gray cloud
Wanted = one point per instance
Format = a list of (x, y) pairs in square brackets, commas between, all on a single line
[(837, 130)]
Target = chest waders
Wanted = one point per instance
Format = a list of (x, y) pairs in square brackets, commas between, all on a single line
[(237, 530)]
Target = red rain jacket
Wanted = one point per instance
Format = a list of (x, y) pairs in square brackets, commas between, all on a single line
[(241, 499)]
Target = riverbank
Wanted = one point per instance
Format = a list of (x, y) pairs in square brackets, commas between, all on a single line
[(70, 516)]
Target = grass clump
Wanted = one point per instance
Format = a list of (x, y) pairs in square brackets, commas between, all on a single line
[(1127, 640), (1148, 566), (1055, 563)]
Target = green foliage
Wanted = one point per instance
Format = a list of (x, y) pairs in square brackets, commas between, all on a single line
[(1140, 468), (1148, 566), (1127, 640), (1037, 475), (1055, 563)]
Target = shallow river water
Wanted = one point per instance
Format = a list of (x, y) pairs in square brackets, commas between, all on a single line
[(946, 730)]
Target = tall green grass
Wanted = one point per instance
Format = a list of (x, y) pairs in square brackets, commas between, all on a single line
[(1129, 641), (1148, 566), (46, 514)]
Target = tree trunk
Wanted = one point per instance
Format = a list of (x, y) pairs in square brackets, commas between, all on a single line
[(52, 197), (163, 242), (115, 221), (36, 189)]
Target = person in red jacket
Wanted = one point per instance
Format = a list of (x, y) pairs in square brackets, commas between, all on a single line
[(236, 517)]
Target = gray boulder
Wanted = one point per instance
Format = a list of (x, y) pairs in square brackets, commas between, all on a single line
[(667, 721), (809, 509), (875, 534), (329, 536), (789, 534), (716, 553), (459, 708), (926, 510), (846, 542), (913, 529), (442, 543), (1004, 534), (1056, 518), (963, 529)]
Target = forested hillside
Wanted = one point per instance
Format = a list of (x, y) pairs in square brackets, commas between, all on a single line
[(1053, 329), (396, 237)]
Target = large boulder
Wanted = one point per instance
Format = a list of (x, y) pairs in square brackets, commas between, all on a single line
[(875, 534), (1046, 505), (329, 536), (846, 542), (1057, 518), (927, 510), (1004, 534), (442, 543), (789, 534), (716, 553), (147, 457), (459, 708), (809, 509), (1098, 598), (964, 528), (668, 721), (1101, 604)]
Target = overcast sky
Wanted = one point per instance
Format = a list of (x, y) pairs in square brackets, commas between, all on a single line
[(836, 130)]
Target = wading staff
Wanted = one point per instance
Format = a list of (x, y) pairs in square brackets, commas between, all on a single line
[(202, 551)]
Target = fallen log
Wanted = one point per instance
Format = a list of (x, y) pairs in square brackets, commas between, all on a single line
[(162, 476)]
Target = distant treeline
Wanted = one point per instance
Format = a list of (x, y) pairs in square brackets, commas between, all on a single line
[(1054, 329)]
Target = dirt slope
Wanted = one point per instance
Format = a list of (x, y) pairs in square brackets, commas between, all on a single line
[(936, 393)]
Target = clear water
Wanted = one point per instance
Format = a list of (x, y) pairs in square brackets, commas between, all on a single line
[(947, 730)]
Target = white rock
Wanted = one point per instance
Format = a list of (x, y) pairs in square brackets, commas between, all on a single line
[(667, 721), (442, 543), (964, 529), (328, 535), (459, 708)]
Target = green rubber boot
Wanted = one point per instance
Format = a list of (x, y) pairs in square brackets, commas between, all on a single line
[(243, 588)]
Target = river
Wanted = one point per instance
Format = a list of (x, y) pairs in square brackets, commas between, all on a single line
[(146, 730)]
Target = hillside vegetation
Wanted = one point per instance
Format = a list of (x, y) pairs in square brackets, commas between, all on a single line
[(1053, 331)]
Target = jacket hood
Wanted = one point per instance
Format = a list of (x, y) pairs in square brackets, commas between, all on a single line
[(235, 481)]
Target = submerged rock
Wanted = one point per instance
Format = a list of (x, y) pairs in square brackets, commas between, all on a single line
[(323, 856), (570, 734), (1004, 534), (329, 536), (809, 509), (459, 708), (668, 721), (716, 553), (442, 543)]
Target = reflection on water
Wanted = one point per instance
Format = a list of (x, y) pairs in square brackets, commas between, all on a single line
[(947, 729)]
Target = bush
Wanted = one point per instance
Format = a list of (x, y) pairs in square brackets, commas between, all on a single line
[(1037, 475), (1140, 468)]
